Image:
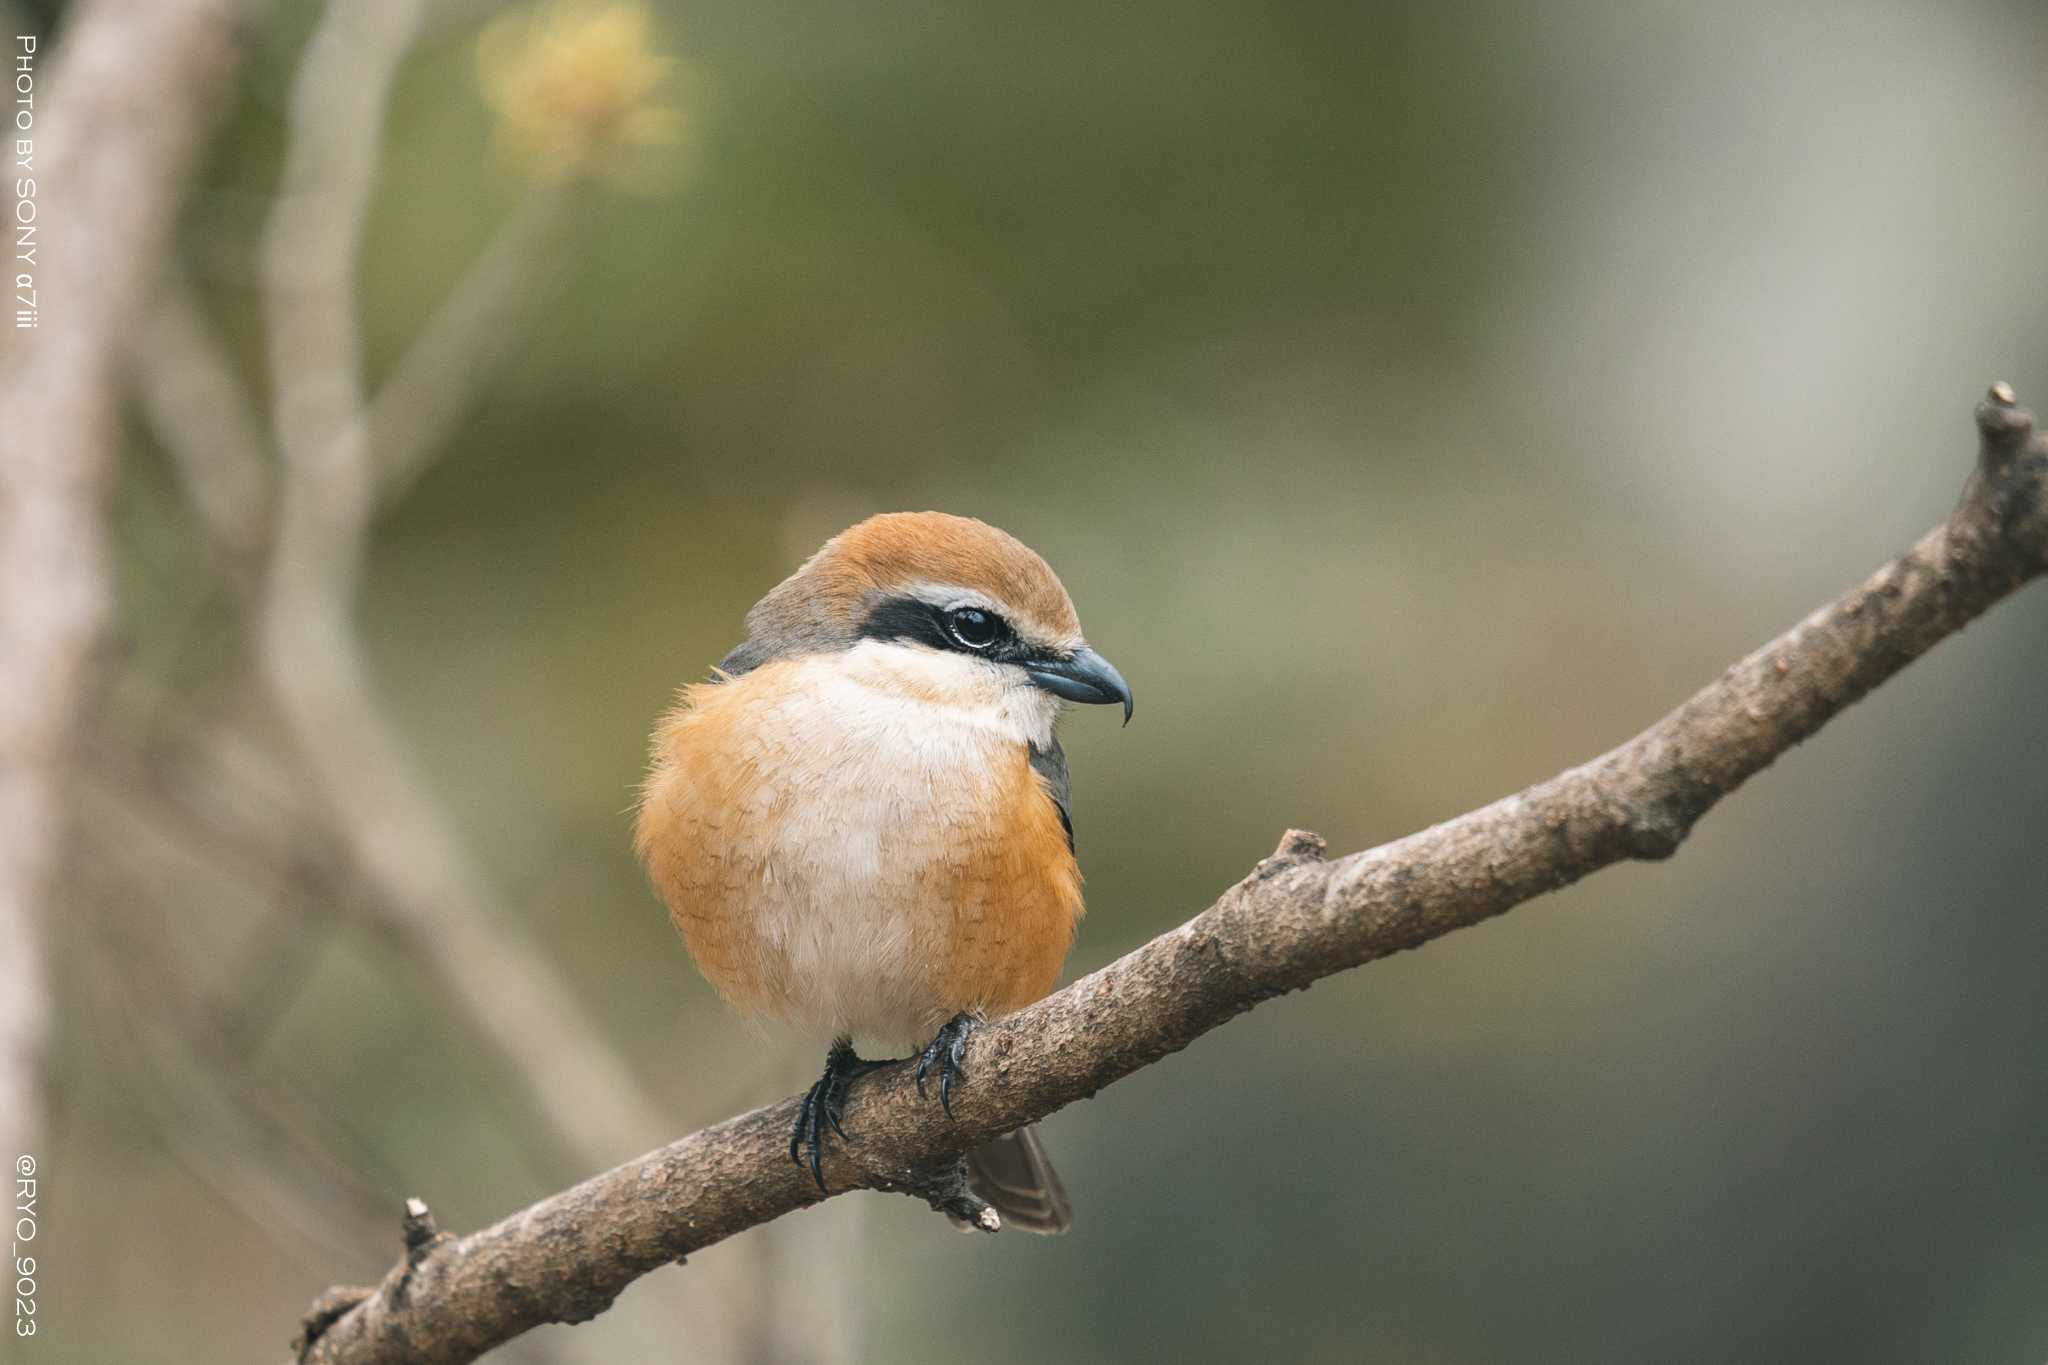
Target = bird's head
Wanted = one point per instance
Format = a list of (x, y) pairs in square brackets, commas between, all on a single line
[(931, 581)]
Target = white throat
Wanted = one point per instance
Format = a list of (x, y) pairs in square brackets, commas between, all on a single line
[(959, 687)]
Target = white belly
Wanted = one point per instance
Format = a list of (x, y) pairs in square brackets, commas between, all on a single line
[(860, 776)]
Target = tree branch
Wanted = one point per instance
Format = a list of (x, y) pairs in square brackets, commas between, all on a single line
[(432, 889), (439, 377), (136, 84), (193, 401), (1295, 919), (311, 655)]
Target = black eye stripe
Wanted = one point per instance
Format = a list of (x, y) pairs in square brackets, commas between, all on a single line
[(919, 622)]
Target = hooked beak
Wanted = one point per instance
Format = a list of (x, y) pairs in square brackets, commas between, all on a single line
[(1082, 676)]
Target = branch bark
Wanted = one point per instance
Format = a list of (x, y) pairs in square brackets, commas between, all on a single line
[(135, 83), (1295, 919)]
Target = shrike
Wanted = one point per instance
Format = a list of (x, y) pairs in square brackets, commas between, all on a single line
[(860, 823)]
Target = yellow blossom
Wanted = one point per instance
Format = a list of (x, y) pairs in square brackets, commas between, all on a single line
[(573, 85)]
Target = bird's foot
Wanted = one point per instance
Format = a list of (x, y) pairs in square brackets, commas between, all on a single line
[(947, 1054), (825, 1103)]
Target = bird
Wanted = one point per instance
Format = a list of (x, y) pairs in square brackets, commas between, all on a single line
[(861, 821)]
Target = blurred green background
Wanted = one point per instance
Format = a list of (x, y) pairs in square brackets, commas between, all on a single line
[(1416, 400)]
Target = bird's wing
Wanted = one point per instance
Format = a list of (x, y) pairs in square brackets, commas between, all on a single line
[(745, 658), (1051, 765)]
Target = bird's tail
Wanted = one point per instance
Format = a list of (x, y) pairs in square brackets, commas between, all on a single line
[(1013, 1174)]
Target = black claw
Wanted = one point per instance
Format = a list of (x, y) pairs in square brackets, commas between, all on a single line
[(948, 1052), (825, 1103), (818, 1148)]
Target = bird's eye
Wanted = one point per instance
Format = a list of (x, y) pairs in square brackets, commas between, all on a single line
[(973, 627)]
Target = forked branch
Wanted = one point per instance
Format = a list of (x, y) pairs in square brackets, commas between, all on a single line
[(1296, 918)]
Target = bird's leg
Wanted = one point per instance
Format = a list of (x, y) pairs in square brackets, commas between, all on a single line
[(947, 1052), (825, 1103)]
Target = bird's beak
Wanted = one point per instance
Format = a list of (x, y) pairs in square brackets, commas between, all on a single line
[(1082, 676)]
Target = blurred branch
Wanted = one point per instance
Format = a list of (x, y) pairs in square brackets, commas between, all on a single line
[(135, 83), (250, 1147), (273, 1155), (194, 404), (311, 656), (328, 435), (1295, 919), (444, 369)]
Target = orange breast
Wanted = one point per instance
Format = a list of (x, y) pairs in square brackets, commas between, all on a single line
[(1012, 900), (702, 834), (853, 861)]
